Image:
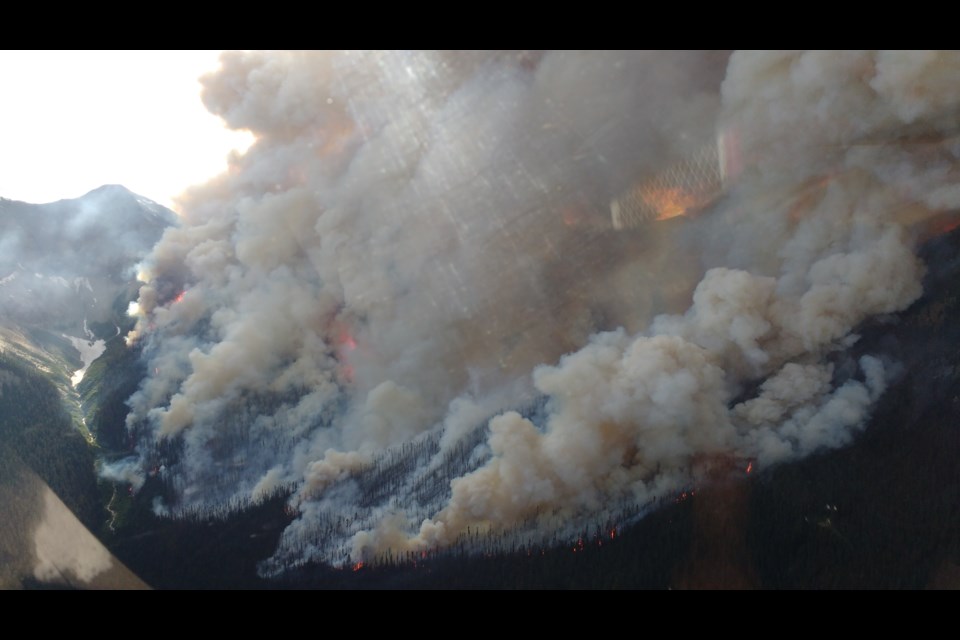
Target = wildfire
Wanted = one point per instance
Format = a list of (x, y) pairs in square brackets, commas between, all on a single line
[(358, 566), (347, 342), (179, 297), (943, 226), (750, 466), (343, 343), (668, 202)]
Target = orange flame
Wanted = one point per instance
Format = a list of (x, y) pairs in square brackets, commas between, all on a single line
[(358, 566), (179, 297), (345, 343), (348, 342), (941, 227), (669, 202), (750, 466)]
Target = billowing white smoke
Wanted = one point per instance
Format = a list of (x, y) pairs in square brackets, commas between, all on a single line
[(414, 233), (126, 470)]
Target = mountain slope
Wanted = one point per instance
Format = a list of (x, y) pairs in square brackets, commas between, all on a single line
[(67, 274), (63, 264)]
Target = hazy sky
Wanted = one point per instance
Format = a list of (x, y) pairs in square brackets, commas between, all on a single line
[(71, 121)]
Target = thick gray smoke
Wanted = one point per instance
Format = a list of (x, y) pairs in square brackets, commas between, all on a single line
[(416, 240)]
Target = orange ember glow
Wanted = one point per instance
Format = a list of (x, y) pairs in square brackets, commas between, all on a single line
[(749, 466), (344, 340), (941, 227), (358, 566), (345, 343), (179, 297), (669, 203)]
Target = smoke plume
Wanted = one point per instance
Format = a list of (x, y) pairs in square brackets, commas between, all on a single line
[(419, 244)]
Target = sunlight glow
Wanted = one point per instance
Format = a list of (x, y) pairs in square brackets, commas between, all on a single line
[(71, 121)]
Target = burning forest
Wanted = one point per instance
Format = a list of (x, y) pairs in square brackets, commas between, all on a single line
[(448, 298)]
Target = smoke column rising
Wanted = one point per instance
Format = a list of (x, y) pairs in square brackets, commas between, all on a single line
[(416, 240)]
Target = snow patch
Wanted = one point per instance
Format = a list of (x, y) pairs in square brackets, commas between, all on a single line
[(89, 350)]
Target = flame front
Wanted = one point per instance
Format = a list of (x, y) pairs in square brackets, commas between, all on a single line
[(348, 342), (669, 202)]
